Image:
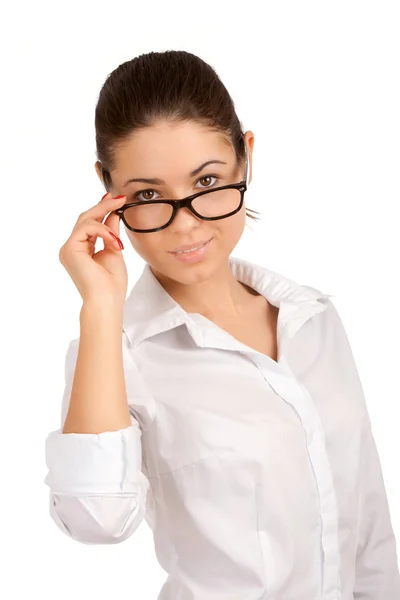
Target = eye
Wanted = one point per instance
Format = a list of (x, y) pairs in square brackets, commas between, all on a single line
[(136, 196), (207, 178), (143, 195)]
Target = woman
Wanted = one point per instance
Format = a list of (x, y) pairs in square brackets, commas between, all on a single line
[(231, 417)]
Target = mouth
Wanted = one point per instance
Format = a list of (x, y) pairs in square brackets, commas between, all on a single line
[(193, 255), (188, 249)]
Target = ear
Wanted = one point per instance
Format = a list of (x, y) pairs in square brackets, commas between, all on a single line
[(249, 139), (97, 166)]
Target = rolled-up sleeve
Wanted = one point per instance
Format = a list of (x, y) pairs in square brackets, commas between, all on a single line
[(97, 487)]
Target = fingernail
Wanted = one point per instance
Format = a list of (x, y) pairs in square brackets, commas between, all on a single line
[(118, 197), (118, 240), (104, 196)]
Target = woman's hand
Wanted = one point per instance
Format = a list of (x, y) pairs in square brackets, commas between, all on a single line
[(100, 276)]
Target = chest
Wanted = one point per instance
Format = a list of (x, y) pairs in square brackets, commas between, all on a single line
[(218, 407)]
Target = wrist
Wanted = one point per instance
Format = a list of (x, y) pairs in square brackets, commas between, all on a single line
[(107, 307)]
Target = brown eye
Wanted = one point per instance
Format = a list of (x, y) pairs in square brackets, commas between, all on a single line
[(141, 195), (205, 180)]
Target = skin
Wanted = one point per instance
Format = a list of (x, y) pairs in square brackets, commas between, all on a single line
[(169, 151)]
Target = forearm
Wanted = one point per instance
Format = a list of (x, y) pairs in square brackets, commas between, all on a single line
[(98, 400)]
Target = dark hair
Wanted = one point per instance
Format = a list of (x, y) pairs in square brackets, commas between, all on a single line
[(174, 85)]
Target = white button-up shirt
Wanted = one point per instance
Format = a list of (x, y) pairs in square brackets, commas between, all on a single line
[(259, 479)]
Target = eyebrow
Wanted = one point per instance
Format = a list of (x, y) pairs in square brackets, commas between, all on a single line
[(156, 181)]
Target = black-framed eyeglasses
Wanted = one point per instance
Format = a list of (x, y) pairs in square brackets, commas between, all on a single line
[(210, 205)]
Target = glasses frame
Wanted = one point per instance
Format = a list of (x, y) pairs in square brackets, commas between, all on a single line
[(187, 203)]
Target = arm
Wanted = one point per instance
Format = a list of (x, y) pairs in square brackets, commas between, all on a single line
[(377, 571), (98, 400), (97, 490), (376, 566)]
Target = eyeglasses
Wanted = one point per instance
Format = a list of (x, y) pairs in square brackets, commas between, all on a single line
[(155, 215), (210, 205)]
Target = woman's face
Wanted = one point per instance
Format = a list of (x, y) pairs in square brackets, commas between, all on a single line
[(170, 152)]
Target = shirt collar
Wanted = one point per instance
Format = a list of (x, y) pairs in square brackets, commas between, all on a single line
[(150, 310)]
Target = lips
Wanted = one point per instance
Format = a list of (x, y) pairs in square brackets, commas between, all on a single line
[(191, 257), (189, 246)]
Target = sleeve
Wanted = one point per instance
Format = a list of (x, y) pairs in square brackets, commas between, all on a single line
[(376, 568), (97, 488)]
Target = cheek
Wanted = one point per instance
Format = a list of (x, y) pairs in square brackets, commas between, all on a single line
[(234, 227), (145, 244)]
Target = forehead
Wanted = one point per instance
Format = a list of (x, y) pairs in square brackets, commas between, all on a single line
[(165, 148)]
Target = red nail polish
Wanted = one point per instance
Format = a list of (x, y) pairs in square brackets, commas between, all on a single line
[(118, 240), (104, 196), (118, 197)]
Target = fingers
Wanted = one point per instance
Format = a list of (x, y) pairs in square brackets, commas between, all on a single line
[(101, 230), (113, 221), (102, 208), (89, 230)]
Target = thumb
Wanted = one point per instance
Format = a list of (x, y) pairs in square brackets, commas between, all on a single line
[(113, 222)]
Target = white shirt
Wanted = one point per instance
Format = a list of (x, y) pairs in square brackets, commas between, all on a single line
[(260, 479)]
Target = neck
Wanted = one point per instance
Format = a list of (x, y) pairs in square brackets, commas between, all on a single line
[(220, 295)]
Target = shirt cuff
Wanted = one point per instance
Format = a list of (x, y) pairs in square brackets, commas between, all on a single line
[(94, 463)]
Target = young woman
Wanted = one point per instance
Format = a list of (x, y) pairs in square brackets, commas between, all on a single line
[(220, 401)]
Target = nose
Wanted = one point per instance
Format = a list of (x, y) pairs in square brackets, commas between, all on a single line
[(184, 220)]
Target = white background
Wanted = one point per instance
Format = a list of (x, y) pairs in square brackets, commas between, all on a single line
[(318, 84)]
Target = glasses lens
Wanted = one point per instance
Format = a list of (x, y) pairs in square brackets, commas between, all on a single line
[(149, 215), (152, 215), (218, 203)]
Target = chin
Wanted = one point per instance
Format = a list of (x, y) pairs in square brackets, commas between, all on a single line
[(188, 274)]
